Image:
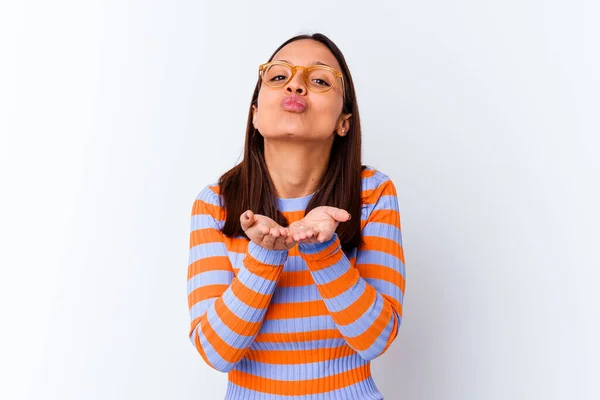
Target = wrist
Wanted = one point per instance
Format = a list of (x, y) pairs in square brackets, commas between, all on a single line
[(322, 249), (267, 256)]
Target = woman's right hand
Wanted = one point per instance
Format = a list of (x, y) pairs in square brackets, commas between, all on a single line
[(265, 232)]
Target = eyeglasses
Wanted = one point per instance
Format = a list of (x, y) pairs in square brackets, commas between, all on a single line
[(318, 78)]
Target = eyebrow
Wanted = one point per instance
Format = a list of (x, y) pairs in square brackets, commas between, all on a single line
[(314, 63)]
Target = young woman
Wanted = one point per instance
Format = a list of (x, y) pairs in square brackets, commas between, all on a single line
[(296, 268)]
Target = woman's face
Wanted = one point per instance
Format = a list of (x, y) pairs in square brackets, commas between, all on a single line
[(321, 119)]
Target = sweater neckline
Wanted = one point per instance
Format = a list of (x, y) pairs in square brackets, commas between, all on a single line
[(293, 203)]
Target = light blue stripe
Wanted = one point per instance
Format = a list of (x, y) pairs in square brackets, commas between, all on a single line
[(385, 202), (377, 229), (387, 288), (373, 182), (208, 196), (331, 273), (291, 325), (200, 307), (345, 299), (241, 309), (295, 264), (295, 294), (230, 337), (213, 357), (255, 282), (213, 249), (306, 345), (380, 258), (365, 321), (377, 347), (237, 259), (203, 221), (215, 277), (293, 372)]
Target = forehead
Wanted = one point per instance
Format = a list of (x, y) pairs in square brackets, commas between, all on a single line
[(306, 52)]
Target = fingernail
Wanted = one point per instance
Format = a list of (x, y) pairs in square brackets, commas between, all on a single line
[(246, 215), (349, 217)]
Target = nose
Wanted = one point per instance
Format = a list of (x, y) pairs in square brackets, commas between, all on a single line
[(297, 83)]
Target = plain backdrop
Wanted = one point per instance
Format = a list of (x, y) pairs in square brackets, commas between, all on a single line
[(114, 115)]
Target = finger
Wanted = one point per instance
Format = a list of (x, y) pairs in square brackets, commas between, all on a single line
[(275, 232), (323, 236), (247, 219), (338, 214), (268, 242)]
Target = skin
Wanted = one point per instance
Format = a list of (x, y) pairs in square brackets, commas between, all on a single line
[(297, 148)]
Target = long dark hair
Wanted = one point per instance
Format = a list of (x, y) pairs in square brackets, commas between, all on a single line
[(248, 185)]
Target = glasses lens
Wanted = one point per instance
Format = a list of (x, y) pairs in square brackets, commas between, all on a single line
[(277, 75), (321, 79)]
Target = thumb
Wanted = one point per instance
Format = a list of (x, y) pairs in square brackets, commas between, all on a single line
[(247, 219), (338, 214)]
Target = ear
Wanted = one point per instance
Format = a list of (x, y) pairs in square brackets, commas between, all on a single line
[(343, 126), (254, 111)]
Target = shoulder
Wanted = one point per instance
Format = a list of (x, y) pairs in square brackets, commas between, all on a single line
[(375, 184), (209, 201)]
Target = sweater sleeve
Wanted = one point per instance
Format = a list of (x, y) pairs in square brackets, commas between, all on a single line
[(364, 300), (226, 310)]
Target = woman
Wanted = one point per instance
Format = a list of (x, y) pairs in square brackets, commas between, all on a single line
[(296, 269)]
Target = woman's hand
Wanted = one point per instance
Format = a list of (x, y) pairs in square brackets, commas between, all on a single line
[(318, 225), (265, 232)]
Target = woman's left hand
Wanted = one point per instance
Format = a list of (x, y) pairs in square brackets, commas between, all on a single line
[(318, 225)]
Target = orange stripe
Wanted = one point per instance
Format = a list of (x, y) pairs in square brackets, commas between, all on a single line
[(293, 215), (391, 217), (233, 322), (384, 273), (201, 207), (299, 336), (205, 235), (295, 278), (367, 173), (371, 196), (228, 353), (366, 339), (215, 263), (250, 297), (296, 310), (205, 292), (316, 261), (356, 309), (301, 387), (298, 356), (384, 245), (201, 350), (340, 284)]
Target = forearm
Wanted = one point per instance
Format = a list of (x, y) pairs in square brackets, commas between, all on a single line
[(366, 319), (224, 332)]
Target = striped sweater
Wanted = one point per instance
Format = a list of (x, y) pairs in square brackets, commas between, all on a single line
[(303, 323)]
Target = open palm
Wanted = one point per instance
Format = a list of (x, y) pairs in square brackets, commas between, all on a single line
[(318, 225), (265, 232)]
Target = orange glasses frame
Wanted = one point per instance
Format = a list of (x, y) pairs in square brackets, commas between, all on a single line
[(295, 68)]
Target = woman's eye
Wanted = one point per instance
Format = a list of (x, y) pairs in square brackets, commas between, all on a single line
[(321, 82), (278, 76)]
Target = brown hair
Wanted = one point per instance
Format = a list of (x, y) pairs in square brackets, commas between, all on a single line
[(248, 185)]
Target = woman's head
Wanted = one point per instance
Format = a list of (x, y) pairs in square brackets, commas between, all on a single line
[(249, 186), (321, 93)]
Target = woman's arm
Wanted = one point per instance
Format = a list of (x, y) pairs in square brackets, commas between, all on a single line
[(364, 301), (226, 311)]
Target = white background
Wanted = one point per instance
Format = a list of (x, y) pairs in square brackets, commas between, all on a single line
[(114, 114)]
